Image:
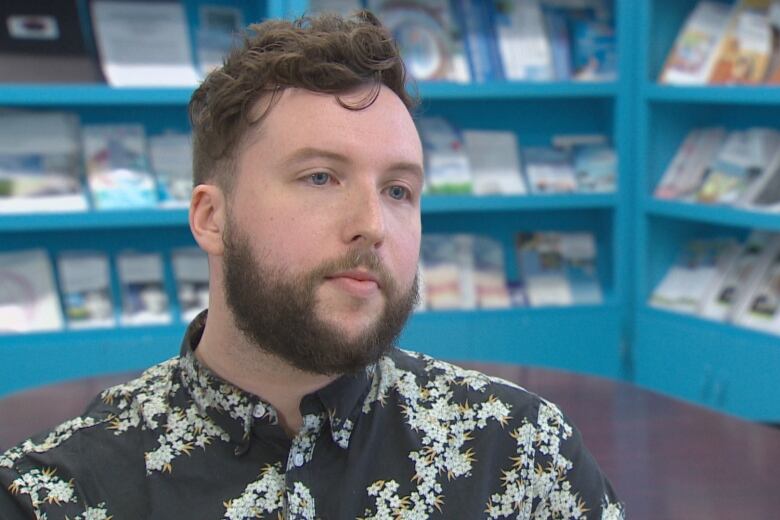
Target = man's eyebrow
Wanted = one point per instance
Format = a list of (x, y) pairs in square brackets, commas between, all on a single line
[(307, 153), (304, 154)]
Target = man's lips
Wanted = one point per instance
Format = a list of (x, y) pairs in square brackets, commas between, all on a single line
[(357, 283)]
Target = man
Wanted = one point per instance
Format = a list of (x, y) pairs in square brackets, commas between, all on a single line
[(288, 399)]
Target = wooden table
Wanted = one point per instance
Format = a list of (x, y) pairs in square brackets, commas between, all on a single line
[(666, 459)]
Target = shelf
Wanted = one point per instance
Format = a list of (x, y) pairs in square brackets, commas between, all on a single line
[(713, 214), (90, 94), (732, 369), (721, 95), (579, 338), (94, 220), (178, 217), (582, 338), (507, 89), (473, 203), (100, 94)]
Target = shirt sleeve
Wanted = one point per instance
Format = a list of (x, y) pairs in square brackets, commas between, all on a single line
[(571, 485)]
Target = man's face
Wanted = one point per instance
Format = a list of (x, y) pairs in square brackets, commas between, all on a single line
[(323, 233)]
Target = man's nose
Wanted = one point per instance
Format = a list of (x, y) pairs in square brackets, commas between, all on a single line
[(364, 218)]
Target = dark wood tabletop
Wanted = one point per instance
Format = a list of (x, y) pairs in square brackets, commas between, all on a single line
[(666, 459)]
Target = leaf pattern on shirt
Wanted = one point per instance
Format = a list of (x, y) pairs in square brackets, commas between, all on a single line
[(265, 495), (445, 425), (43, 486)]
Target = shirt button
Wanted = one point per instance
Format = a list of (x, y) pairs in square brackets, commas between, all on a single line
[(298, 460), (259, 411)]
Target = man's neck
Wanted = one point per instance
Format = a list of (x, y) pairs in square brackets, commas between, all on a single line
[(227, 353)]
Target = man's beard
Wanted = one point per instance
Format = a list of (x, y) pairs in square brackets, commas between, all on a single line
[(277, 312)]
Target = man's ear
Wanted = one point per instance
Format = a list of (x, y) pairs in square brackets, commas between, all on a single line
[(207, 217)]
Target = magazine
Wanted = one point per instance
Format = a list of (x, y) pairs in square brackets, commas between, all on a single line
[(495, 162), (745, 51), (761, 307), (171, 158), (28, 296), (191, 269), (685, 174), (118, 170), (447, 166), (696, 48), (40, 158), (144, 298), (429, 37), (85, 286), (549, 170)]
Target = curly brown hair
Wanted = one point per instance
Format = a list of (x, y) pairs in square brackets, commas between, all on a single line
[(326, 54)]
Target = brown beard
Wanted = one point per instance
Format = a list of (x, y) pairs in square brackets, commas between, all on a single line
[(277, 311)]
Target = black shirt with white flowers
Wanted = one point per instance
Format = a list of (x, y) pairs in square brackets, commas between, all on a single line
[(409, 438)]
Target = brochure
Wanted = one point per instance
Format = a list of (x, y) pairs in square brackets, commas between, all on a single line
[(218, 33), (490, 274), (685, 174), (495, 162), (143, 44), (447, 165), (85, 286), (40, 168), (440, 265), (118, 170), (191, 269), (144, 299), (549, 170), (28, 296), (171, 157), (525, 50)]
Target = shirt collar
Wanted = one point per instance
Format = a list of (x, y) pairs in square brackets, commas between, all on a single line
[(235, 410)]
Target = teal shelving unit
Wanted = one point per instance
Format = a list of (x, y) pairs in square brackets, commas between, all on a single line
[(718, 365), (591, 339)]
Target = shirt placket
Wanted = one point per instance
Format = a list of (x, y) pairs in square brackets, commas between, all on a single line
[(298, 501)]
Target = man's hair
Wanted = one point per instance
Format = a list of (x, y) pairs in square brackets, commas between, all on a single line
[(327, 54)]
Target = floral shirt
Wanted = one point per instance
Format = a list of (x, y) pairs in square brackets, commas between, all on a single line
[(409, 438)]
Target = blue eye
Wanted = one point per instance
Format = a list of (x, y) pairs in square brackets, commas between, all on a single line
[(319, 178), (398, 192)]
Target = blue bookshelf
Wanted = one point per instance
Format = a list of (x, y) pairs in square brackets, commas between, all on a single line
[(592, 339), (718, 365)]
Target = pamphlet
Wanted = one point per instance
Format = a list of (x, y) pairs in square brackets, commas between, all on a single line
[(439, 258), (490, 275), (690, 165), (447, 165), (219, 32), (85, 285), (523, 44), (143, 44), (118, 170), (191, 269), (40, 168), (28, 296), (495, 162), (171, 156), (549, 170), (144, 299)]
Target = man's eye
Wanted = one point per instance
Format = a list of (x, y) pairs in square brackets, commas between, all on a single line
[(319, 178), (398, 192)]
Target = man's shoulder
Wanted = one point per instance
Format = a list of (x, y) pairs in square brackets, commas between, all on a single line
[(115, 411), (418, 376)]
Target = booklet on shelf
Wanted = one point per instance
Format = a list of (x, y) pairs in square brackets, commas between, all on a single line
[(28, 296), (701, 265), (725, 296), (764, 192), (483, 55), (490, 274), (171, 158), (429, 37), (690, 165), (438, 254), (191, 269), (118, 170), (594, 56), (144, 299), (495, 162), (523, 44), (218, 33), (556, 25), (595, 166), (558, 268), (743, 158), (549, 170), (40, 163), (85, 286), (447, 166), (696, 49), (743, 57), (760, 309), (143, 44)]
